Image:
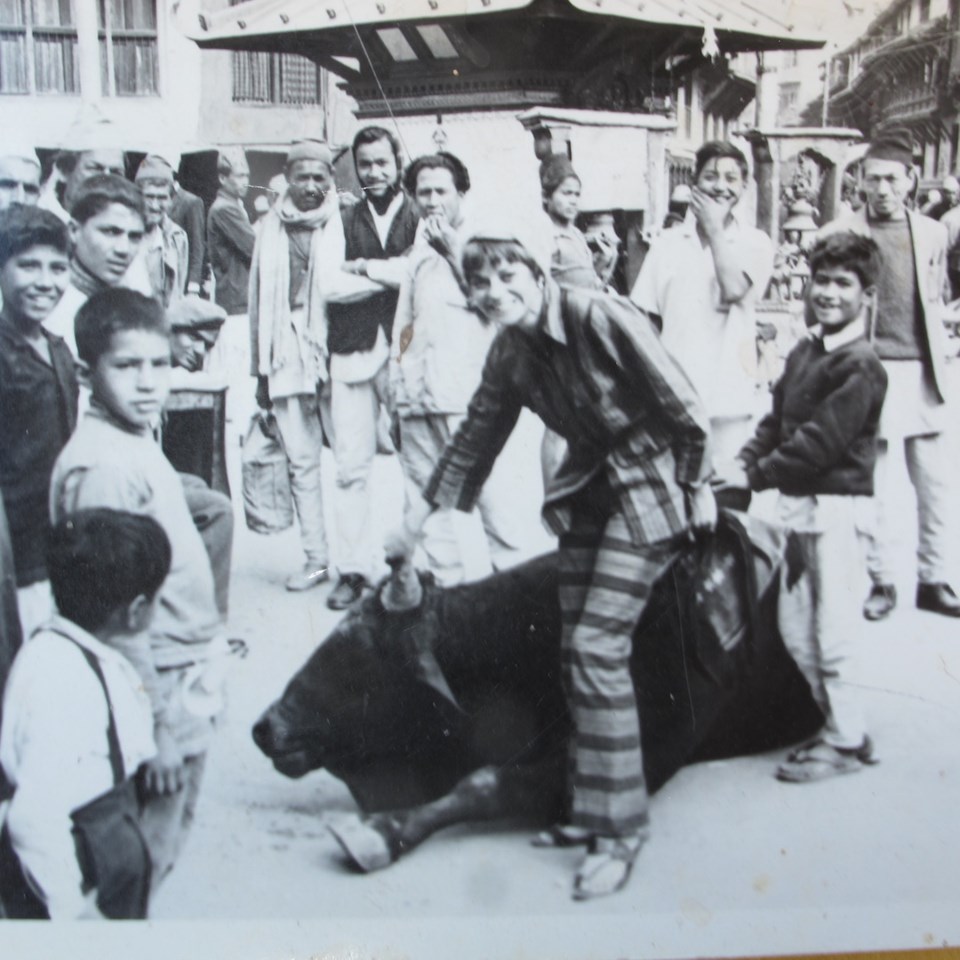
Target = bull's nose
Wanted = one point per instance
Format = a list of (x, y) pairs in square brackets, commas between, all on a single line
[(263, 733)]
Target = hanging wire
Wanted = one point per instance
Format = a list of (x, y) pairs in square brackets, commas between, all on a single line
[(376, 78)]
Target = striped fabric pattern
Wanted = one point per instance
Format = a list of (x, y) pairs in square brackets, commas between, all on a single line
[(605, 582), (596, 373)]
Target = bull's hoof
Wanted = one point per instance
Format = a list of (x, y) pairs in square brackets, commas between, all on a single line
[(367, 848)]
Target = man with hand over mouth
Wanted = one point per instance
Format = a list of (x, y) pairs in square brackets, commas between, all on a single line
[(699, 283)]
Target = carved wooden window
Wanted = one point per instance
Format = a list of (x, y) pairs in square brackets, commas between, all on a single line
[(38, 47), (129, 64), (286, 79)]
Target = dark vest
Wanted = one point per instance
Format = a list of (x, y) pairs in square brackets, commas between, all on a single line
[(353, 326)]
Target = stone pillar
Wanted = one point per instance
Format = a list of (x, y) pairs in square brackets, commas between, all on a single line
[(774, 152)]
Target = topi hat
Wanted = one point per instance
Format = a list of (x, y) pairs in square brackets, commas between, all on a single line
[(153, 167), (895, 144), (554, 170), (310, 150)]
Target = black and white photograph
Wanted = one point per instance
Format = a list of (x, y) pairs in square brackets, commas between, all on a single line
[(479, 478)]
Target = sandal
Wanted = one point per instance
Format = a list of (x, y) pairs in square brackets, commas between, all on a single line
[(607, 866), (819, 760), (562, 835)]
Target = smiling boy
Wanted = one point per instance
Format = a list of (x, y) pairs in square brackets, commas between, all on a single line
[(700, 282), (818, 446), (38, 392)]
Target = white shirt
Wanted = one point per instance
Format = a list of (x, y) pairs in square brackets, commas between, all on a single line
[(53, 747), (437, 369), (342, 287), (713, 341)]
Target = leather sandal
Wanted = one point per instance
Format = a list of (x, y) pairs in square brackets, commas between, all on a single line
[(562, 835), (819, 760), (607, 866)]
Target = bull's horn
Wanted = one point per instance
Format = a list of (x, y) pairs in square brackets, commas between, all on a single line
[(402, 590)]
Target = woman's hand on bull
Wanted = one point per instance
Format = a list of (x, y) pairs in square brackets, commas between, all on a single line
[(702, 509), (164, 772), (401, 542)]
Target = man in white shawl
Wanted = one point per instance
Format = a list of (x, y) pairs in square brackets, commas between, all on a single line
[(287, 337)]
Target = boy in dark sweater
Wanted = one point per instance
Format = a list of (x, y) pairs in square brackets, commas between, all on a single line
[(38, 393), (818, 447)]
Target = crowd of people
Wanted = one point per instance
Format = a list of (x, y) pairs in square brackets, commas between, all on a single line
[(405, 323)]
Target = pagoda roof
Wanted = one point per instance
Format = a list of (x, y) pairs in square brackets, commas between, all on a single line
[(285, 24)]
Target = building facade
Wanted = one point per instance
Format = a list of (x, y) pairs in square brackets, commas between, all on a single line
[(902, 71)]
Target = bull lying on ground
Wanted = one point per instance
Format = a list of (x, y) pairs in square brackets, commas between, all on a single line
[(454, 711)]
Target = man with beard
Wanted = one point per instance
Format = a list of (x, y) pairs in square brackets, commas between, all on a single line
[(371, 241), (287, 337), (699, 283)]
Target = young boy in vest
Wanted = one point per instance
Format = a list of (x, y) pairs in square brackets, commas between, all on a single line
[(818, 446), (113, 461)]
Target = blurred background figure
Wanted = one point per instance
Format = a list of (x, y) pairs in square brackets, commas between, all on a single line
[(19, 175)]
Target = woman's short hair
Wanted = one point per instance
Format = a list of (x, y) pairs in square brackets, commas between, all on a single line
[(480, 252)]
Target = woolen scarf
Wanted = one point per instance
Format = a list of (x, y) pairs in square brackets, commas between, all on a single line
[(280, 340)]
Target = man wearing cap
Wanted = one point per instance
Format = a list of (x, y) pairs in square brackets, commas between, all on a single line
[(361, 262), (288, 337), (19, 176), (163, 258), (907, 332), (700, 282)]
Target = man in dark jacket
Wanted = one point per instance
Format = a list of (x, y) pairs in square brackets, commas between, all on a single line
[(230, 236), (186, 211), (376, 234), (230, 240)]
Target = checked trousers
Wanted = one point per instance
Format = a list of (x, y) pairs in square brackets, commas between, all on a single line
[(605, 582)]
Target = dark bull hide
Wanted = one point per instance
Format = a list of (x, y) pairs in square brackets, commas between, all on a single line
[(454, 711)]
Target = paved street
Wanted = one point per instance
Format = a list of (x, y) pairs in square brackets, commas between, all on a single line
[(737, 860), (738, 863)]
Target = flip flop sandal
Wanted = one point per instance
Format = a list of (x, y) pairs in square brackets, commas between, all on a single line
[(607, 866), (562, 835), (818, 760)]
